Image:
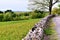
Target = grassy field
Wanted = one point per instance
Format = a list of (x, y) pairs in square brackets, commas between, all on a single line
[(16, 30)]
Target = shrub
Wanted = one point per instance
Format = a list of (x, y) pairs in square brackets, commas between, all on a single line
[(37, 15), (24, 17), (9, 11), (16, 18), (26, 14), (1, 12), (1, 17), (58, 12), (8, 17), (38, 11), (42, 15), (13, 15), (33, 16), (19, 14), (48, 31)]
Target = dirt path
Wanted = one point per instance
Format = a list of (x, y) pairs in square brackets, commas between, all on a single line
[(56, 20)]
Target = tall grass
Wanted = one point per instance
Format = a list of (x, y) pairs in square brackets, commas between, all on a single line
[(16, 30)]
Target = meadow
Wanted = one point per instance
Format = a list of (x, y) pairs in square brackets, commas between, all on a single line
[(15, 25), (16, 30)]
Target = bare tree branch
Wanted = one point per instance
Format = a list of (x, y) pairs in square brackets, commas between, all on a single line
[(43, 4), (36, 2), (55, 2)]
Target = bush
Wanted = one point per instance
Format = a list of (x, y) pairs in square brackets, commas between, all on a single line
[(24, 17), (8, 17), (26, 14), (1, 17), (13, 15), (9, 11), (42, 15), (38, 11), (58, 12), (18, 15), (16, 18), (34, 15), (37, 15), (1, 12)]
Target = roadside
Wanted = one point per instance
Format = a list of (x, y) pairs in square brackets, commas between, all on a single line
[(50, 33)]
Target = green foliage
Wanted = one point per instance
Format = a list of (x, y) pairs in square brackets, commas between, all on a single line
[(16, 18), (9, 11), (1, 12), (37, 15), (1, 17), (26, 14), (48, 31), (13, 15), (24, 18), (7, 17), (56, 10), (38, 11)]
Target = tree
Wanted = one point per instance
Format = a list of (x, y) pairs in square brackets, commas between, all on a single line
[(43, 4), (1, 12), (9, 11), (38, 11), (55, 10)]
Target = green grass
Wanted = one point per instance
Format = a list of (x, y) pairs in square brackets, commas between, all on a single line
[(16, 30), (49, 30)]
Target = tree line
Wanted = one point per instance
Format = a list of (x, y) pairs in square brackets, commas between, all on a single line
[(10, 15)]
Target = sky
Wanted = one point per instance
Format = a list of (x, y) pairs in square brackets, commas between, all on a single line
[(15, 5)]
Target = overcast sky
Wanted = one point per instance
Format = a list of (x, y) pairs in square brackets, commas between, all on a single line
[(15, 5)]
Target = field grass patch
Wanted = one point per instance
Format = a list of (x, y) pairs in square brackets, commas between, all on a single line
[(16, 30)]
